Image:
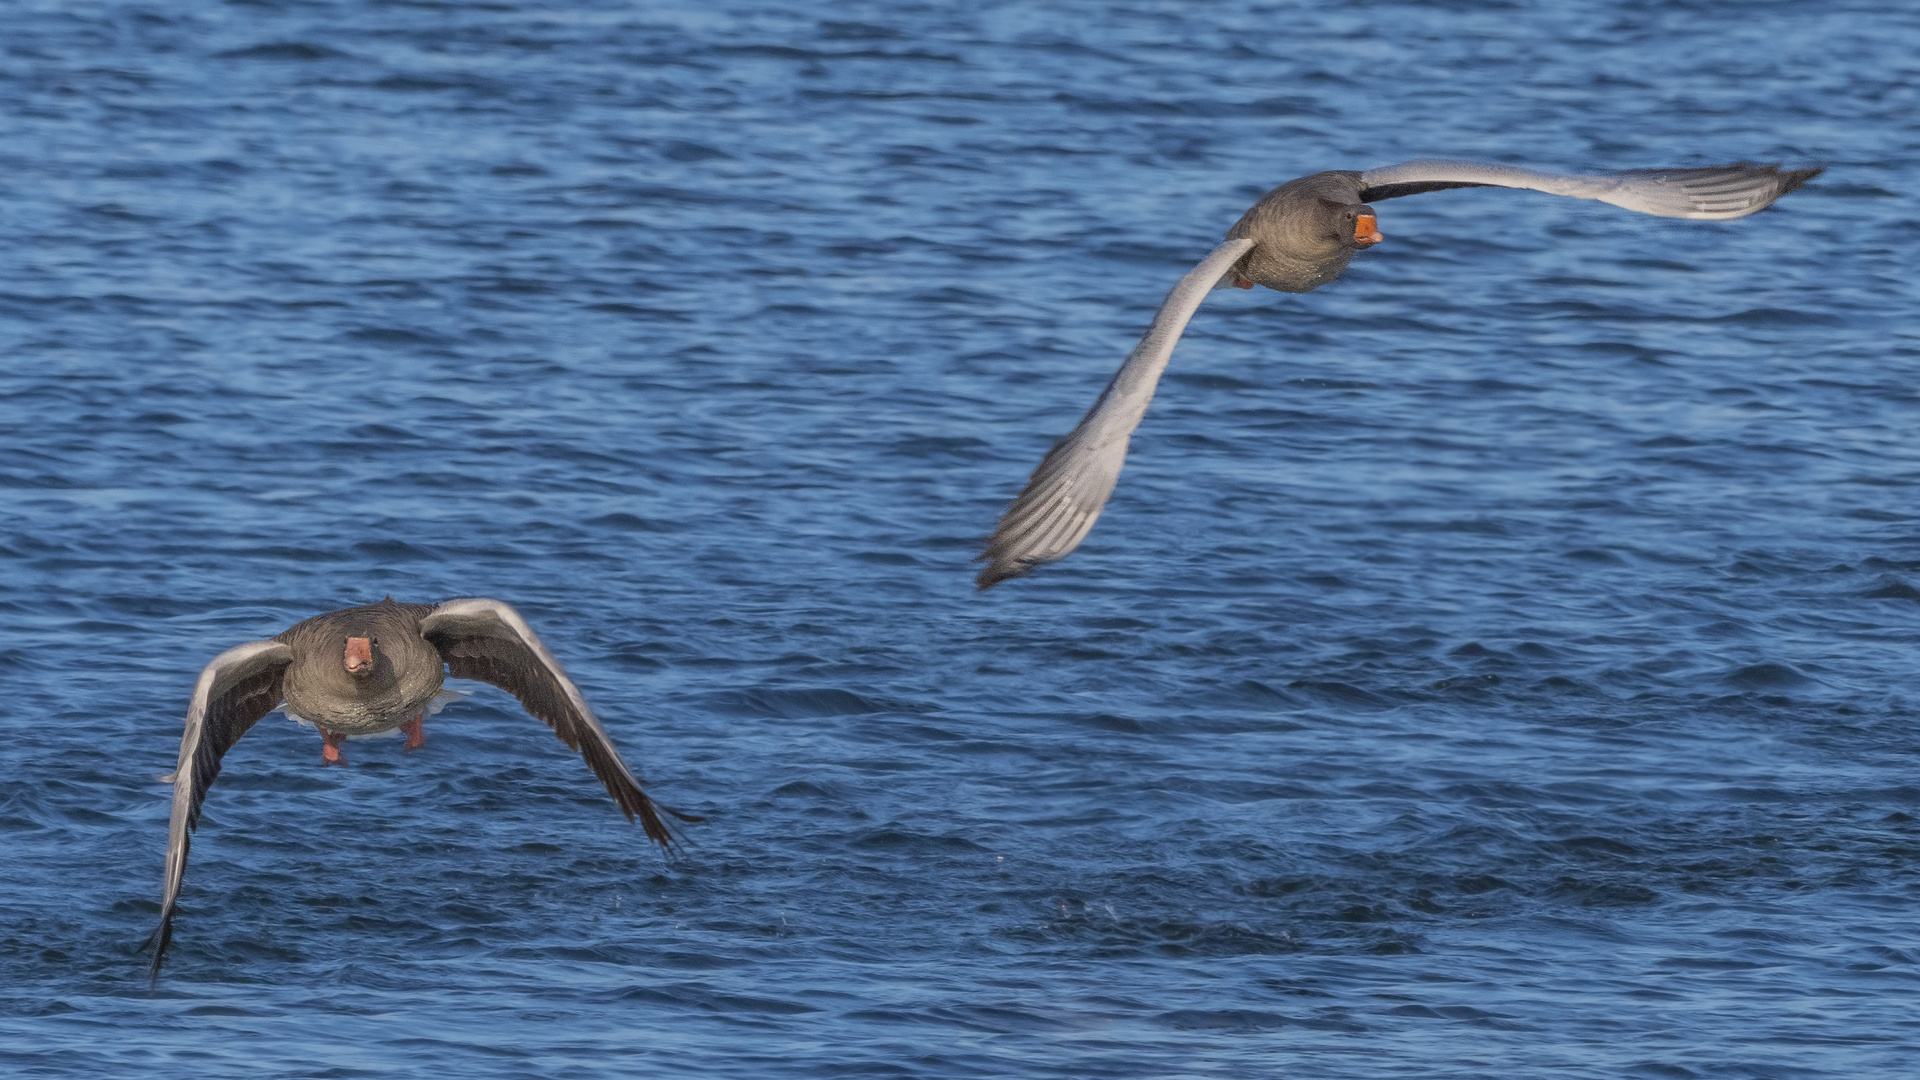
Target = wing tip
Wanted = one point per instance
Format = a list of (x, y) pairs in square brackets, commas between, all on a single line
[(1775, 179), (996, 550), (1001, 550), (657, 828), (1783, 180), (1040, 526), (161, 937), (1795, 179), (1000, 568)]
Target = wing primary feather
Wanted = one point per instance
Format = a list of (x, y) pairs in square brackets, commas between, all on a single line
[(1713, 193), (239, 687), (489, 641)]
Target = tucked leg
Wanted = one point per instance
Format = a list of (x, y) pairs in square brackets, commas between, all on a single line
[(330, 747), (416, 738)]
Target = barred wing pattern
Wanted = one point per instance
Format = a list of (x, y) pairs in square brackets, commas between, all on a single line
[(239, 687), (1064, 496), (489, 641), (1717, 193)]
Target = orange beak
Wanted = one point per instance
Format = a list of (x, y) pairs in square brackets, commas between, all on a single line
[(359, 655), (1366, 230)]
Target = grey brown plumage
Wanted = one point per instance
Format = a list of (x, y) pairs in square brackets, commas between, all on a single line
[(411, 645), (1302, 232), (405, 674), (1298, 237)]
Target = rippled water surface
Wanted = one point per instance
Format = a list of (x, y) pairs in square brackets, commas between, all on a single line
[(1499, 663)]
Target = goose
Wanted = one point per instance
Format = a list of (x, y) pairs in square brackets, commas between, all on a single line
[(373, 668), (1298, 237)]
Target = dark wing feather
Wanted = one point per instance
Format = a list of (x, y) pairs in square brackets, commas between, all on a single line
[(1396, 191), (489, 641), (239, 687)]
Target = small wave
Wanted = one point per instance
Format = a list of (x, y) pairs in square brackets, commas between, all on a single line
[(298, 51), (1766, 676), (792, 703)]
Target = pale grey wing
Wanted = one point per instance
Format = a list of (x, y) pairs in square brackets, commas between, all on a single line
[(239, 687), (489, 641), (1716, 193), (1063, 497)]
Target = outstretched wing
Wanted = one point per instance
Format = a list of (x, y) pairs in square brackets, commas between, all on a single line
[(487, 640), (234, 692), (1064, 495), (1716, 193)]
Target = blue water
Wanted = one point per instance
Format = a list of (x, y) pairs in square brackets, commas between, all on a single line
[(1499, 663)]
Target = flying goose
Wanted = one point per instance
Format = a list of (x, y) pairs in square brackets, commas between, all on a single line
[(368, 669), (1297, 238)]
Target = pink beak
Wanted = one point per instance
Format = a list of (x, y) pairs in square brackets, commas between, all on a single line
[(359, 655)]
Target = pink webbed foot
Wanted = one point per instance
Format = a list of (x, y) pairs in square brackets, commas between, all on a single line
[(1241, 283), (416, 738), (330, 748)]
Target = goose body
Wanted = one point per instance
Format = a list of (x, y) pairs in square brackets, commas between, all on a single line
[(406, 670), (373, 668), (1298, 237)]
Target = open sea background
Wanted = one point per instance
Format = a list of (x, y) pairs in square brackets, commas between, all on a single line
[(1499, 663)]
